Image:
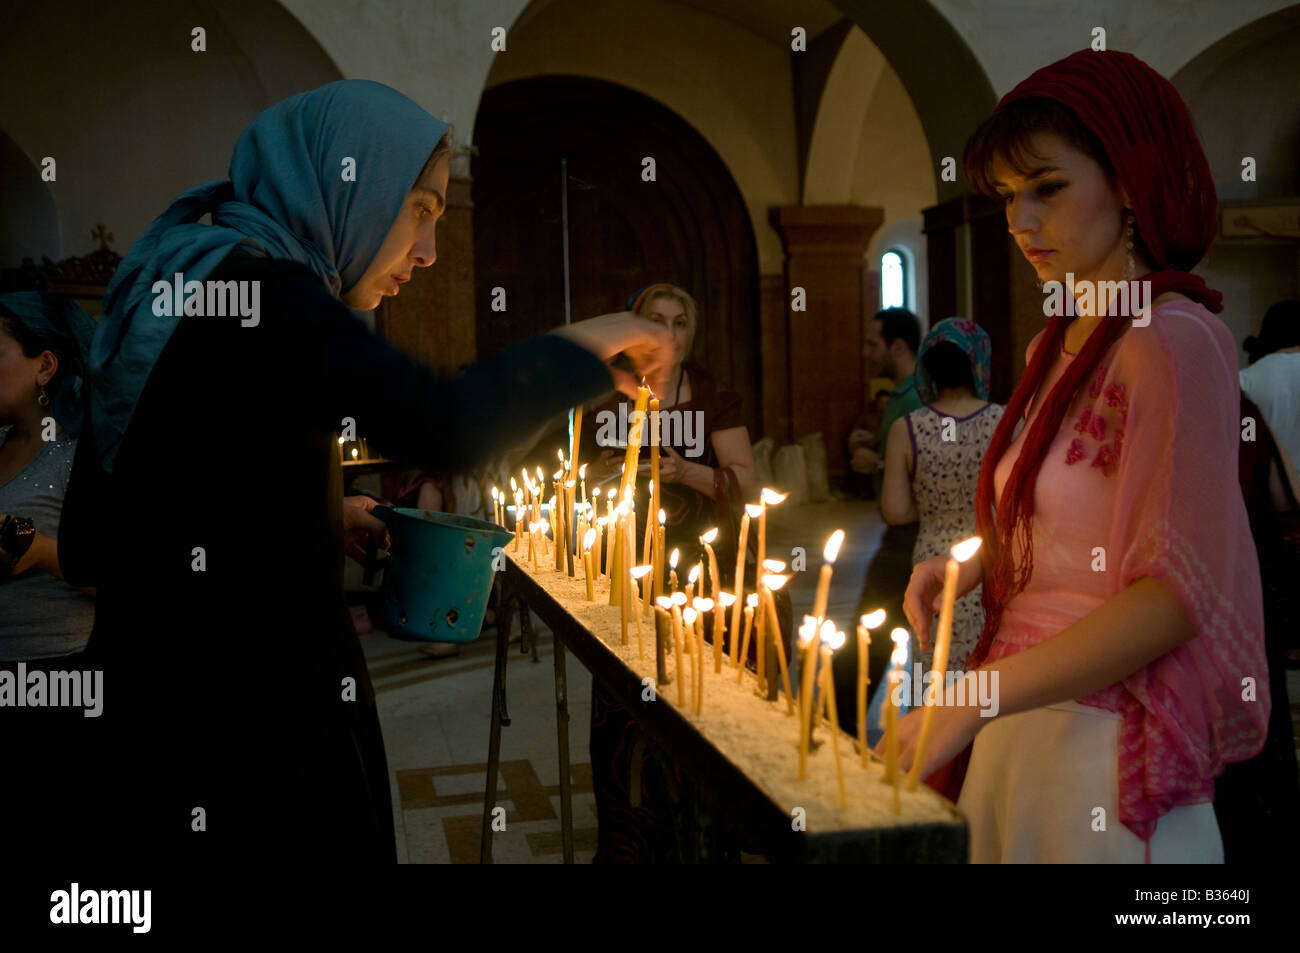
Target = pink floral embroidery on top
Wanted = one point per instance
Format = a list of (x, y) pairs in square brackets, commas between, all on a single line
[(1085, 420), (1097, 427), (1115, 396), (1076, 452), (1094, 389), (1105, 460)]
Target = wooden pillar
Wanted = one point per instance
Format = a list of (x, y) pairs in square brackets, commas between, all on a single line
[(826, 247), (432, 319), (1003, 297)]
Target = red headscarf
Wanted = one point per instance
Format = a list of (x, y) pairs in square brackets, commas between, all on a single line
[(1148, 134)]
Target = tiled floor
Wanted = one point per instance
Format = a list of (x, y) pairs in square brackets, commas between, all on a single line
[(435, 715)]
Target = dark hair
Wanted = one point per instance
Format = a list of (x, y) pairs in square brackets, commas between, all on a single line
[(948, 366), (898, 323), (1007, 133), (32, 343), (1280, 328)]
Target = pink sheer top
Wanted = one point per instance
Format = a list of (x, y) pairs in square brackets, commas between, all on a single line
[(1142, 481)]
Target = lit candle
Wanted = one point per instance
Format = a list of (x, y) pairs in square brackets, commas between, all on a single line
[(824, 581), (634, 441), (896, 661), (663, 629), (689, 616), (647, 538), (828, 688), (636, 572), (702, 608), (754, 510), (866, 623), (582, 478), (657, 556), (678, 600), (768, 497), (771, 583), (693, 575), (596, 560), (807, 638), (557, 514), (532, 544), (751, 603), (587, 539), (707, 539), (725, 602), (958, 555), (766, 567), (672, 568), (494, 505)]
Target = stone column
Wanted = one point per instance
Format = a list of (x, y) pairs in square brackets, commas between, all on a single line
[(825, 248)]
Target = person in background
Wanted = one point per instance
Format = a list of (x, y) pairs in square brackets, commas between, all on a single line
[(893, 336), (1273, 378), (42, 344), (932, 462)]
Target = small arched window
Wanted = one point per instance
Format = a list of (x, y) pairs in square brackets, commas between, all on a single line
[(893, 280)]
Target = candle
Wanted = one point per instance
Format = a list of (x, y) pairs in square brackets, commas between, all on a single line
[(636, 572), (824, 581), (807, 638), (751, 603), (866, 623), (532, 544), (688, 621), (569, 539), (494, 505), (672, 568), (575, 445), (647, 538), (588, 538), (634, 441), (596, 560), (582, 478), (663, 629), (771, 583), (657, 557), (690, 580), (768, 497), (765, 567), (828, 688), (677, 647), (753, 510), (557, 513), (959, 554), (724, 602), (707, 539), (896, 660), (618, 555)]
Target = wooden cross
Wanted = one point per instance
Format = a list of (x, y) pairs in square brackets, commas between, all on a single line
[(101, 235)]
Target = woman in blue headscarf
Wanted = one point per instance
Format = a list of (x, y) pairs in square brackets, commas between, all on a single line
[(932, 462), (233, 676)]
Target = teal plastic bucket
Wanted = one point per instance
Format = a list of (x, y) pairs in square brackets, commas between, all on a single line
[(437, 582)]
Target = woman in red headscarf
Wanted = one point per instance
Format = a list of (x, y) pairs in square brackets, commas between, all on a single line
[(1123, 642)]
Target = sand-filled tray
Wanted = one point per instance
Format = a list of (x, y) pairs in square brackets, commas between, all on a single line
[(742, 750)]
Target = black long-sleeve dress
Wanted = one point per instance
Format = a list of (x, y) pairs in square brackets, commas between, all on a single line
[(227, 686)]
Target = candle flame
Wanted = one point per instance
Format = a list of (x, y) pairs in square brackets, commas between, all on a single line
[(835, 640), (589, 539), (652, 487), (833, 546), (710, 536), (688, 615), (898, 657), (771, 497), (582, 472), (662, 517), (340, 441), (873, 620), (560, 454), (539, 473), (532, 527), (354, 453), (727, 599), (753, 510), (678, 598), (702, 605), (494, 494), (695, 573), (672, 559), (826, 630), (773, 565), (751, 600), (543, 527), (663, 602), (775, 581), (639, 571), (966, 549), (807, 631), (595, 490), (571, 484), (513, 485)]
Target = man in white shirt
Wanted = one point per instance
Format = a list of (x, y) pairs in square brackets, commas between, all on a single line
[(1273, 378)]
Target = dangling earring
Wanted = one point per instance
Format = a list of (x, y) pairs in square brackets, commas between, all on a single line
[(1130, 269), (43, 398)]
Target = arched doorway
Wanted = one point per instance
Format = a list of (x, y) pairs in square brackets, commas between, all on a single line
[(689, 226)]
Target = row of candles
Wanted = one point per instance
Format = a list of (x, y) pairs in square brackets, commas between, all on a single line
[(680, 616)]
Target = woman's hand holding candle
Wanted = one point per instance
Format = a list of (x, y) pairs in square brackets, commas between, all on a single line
[(647, 344)]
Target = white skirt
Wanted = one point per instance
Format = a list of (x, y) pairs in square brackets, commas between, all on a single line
[(1034, 786)]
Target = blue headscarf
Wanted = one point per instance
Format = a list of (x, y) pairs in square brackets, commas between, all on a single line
[(286, 194), (974, 343), (62, 327)]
